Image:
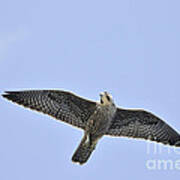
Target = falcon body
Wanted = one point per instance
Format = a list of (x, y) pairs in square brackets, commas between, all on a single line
[(97, 126), (96, 118)]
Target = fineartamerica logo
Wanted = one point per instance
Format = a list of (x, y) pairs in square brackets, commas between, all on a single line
[(157, 163)]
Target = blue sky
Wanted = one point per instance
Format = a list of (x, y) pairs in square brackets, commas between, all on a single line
[(129, 48)]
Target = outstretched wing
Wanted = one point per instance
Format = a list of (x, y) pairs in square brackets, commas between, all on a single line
[(61, 105), (142, 124)]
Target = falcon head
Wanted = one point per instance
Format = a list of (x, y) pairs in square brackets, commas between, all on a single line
[(106, 99)]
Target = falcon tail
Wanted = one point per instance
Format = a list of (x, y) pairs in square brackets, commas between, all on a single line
[(83, 151)]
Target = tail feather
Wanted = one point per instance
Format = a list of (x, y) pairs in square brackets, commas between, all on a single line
[(83, 152)]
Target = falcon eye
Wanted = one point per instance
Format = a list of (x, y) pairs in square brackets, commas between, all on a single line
[(108, 98), (102, 101)]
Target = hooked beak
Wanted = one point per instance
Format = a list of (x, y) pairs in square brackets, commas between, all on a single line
[(101, 94)]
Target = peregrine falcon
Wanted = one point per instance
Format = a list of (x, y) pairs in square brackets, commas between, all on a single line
[(96, 118)]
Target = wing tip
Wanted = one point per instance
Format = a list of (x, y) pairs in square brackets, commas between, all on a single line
[(177, 143), (10, 95), (5, 94), (11, 92)]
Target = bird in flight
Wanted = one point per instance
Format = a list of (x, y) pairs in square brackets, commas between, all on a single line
[(96, 118)]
